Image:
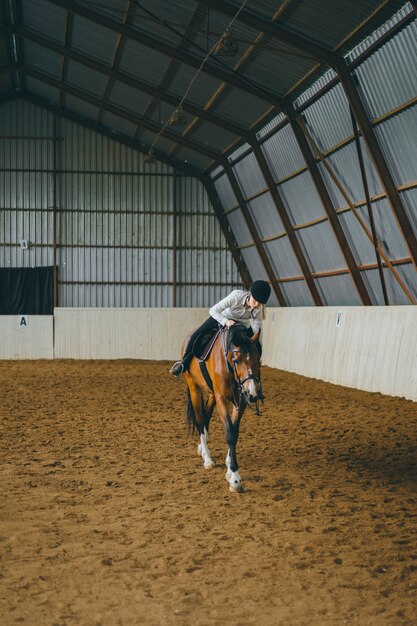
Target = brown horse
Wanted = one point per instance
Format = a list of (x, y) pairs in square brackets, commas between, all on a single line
[(230, 380)]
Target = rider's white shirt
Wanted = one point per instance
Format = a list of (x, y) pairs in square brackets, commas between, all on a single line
[(232, 307)]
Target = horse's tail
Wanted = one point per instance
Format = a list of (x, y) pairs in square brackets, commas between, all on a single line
[(190, 413)]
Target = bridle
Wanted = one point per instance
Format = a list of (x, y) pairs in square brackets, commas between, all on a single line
[(236, 381), (236, 376)]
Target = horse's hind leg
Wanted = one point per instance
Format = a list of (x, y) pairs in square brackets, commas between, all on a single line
[(210, 404), (202, 419), (203, 449)]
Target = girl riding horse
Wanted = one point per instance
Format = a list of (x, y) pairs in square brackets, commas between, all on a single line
[(229, 378), (239, 306)]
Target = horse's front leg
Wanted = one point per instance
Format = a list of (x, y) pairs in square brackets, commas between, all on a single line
[(232, 473), (232, 423)]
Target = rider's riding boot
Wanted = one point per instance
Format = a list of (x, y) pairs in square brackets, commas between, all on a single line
[(181, 366), (177, 369)]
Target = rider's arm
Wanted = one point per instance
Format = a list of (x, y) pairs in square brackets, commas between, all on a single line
[(222, 311)]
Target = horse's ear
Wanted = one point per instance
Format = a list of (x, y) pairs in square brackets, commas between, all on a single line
[(256, 336)]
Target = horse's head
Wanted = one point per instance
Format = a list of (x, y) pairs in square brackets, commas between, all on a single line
[(243, 359)]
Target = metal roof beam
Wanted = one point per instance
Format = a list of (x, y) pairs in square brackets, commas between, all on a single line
[(227, 232), (369, 206), (117, 75), (119, 47), (297, 126), (109, 132), (135, 119), (315, 51), (143, 38), (173, 68), (253, 231), (242, 63), (282, 212), (12, 51), (378, 158), (67, 41)]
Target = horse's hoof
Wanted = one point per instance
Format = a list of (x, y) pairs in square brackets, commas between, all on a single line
[(235, 482), (236, 488)]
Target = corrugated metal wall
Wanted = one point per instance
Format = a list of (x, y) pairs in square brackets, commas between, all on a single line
[(386, 82), (26, 185), (125, 234), (128, 234)]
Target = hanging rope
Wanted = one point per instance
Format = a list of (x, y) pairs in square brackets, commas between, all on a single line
[(202, 64)]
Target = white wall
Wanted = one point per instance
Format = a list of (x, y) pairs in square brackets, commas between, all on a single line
[(28, 338), (123, 333), (373, 348)]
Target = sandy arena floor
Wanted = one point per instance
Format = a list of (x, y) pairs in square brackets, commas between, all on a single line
[(107, 516)]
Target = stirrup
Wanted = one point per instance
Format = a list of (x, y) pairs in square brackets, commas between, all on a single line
[(177, 369)]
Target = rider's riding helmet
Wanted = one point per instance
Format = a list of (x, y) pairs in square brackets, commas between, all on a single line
[(261, 291)]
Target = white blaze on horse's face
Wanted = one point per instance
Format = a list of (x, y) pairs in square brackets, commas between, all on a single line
[(252, 390), (251, 386)]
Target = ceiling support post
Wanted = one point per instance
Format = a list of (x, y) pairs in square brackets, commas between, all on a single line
[(224, 225), (297, 126), (369, 206), (175, 239), (55, 210), (374, 240), (282, 212), (254, 233), (378, 158)]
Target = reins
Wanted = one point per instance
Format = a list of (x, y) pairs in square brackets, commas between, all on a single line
[(235, 380)]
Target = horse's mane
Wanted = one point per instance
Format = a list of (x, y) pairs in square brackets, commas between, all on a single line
[(237, 337)]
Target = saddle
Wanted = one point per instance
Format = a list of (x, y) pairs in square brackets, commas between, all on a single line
[(203, 345)]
